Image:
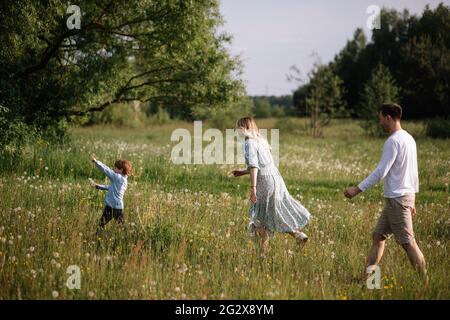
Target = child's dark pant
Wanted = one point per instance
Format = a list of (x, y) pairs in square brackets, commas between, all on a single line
[(109, 213)]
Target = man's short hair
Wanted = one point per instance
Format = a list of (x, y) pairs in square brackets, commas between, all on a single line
[(391, 109)]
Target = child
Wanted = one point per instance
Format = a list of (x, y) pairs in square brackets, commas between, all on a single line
[(116, 190)]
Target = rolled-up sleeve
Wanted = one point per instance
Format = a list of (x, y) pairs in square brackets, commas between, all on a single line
[(251, 154)]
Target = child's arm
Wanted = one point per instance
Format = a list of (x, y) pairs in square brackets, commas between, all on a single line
[(104, 168), (98, 186)]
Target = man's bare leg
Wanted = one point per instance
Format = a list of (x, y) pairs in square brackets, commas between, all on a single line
[(376, 251), (416, 258)]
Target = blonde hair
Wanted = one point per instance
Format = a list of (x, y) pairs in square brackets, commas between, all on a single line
[(250, 130)]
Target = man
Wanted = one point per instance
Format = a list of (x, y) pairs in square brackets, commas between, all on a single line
[(398, 168)]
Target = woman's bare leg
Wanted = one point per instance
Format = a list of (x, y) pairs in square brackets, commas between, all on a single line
[(262, 238)]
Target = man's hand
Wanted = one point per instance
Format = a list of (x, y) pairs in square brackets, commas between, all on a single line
[(351, 192), (238, 173), (413, 212), (93, 159), (253, 194)]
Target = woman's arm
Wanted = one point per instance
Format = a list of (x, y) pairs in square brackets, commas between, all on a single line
[(253, 179), (238, 173)]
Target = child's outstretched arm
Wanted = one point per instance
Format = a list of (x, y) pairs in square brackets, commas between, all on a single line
[(104, 168), (98, 186)]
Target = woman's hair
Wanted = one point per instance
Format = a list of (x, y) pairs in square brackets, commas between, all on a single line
[(123, 165), (250, 130)]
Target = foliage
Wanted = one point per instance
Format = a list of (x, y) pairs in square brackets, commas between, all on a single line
[(379, 89), (438, 128), (168, 53), (416, 50), (324, 101), (262, 108)]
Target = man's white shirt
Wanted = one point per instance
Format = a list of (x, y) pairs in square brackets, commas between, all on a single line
[(397, 167)]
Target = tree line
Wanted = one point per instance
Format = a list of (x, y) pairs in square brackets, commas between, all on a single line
[(407, 61)]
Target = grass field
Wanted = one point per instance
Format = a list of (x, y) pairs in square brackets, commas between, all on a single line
[(185, 234)]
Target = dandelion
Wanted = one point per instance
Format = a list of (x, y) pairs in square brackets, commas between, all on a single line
[(91, 294), (55, 294), (177, 289), (56, 255)]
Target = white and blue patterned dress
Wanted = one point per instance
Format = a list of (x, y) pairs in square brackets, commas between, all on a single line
[(275, 209)]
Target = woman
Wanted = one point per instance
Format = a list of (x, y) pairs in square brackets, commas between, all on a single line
[(273, 209)]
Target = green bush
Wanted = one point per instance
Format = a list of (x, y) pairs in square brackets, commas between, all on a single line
[(278, 112), (438, 128), (13, 133)]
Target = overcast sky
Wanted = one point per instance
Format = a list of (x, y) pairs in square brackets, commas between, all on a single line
[(272, 35)]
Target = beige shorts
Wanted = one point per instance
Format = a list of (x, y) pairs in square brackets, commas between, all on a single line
[(396, 218)]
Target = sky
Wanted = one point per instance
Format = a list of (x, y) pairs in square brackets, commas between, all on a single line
[(272, 35)]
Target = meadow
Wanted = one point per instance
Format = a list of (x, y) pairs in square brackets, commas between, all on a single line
[(185, 235)]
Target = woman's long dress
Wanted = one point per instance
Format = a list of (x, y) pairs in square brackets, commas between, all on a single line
[(275, 209)]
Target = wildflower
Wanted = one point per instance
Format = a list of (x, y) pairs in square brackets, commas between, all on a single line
[(55, 294), (91, 294)]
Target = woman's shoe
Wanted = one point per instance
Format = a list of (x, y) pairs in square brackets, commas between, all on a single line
[(301, 239)]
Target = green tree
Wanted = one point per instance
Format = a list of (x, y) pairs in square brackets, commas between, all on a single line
[(169, 53), (381, 88), (324, 100), (262, 108), (350, 65)]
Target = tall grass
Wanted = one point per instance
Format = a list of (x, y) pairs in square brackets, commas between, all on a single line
[(185, 234)]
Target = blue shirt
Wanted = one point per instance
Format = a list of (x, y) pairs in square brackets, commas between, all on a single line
[(117, 188)]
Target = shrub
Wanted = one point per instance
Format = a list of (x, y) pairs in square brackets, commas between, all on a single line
[(438, 128)]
